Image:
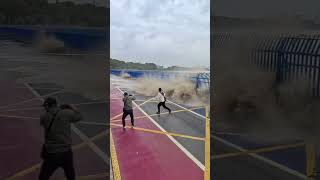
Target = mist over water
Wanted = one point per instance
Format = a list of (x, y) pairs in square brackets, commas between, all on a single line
[(247, 99), (82, 74), (180, 90)]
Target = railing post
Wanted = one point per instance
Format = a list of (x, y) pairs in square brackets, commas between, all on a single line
[(207, 146), (311, 157)]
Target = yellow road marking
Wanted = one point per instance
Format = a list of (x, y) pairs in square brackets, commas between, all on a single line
[(22, 117), (188, 110), (160, 132), (114, 117), (114, 160), (37, 166), (39, 108), (28, 100), (207, 147), (34, 108), (87, 103), (57, 89), (311, 161), (94, 176), (25, 172), (115, 98), (141, 117), (78, 146), (259, 150)]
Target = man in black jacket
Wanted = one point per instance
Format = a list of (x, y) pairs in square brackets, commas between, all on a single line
[(127, 108)]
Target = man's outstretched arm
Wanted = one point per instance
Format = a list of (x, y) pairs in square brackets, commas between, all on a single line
[(76, 116), (132, 97)]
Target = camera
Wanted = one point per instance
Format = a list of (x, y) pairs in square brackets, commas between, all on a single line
[(65, 106)]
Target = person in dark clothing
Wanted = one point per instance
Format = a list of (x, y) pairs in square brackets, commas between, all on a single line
[(127, 108), (161, 97), (57, 151)]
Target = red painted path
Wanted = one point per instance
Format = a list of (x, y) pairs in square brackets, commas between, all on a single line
[(21, 138), (148, 156)]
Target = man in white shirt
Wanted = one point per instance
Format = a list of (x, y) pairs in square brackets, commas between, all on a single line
[(162, 101)]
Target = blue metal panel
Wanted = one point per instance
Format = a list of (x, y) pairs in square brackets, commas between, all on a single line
[(76, 38)]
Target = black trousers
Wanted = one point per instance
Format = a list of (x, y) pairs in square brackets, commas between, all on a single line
[(163, 104), (125, 114), (56, 160)]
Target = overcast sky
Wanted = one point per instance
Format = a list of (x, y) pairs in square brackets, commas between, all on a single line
[(263, 8), (165, 32)]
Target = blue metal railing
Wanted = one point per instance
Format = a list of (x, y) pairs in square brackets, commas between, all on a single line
[(290, 56), (201, 80), (293, 57), (73, 37)]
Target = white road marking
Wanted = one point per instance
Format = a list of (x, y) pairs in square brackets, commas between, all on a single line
[(195, 160), (92, 123), (85, 138), (188, 110), (266, 160), (28, 100)]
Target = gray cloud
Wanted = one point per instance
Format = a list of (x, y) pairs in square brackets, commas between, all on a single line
[(263, 8), (167, 32)]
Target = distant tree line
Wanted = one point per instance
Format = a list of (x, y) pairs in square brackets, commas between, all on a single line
[(40, 12), (117, 64)]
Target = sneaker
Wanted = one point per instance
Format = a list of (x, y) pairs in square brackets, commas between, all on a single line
[(158, 112)]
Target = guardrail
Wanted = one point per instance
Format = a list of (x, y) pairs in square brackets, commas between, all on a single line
[(290, 56), (201, 80), (73, 37)]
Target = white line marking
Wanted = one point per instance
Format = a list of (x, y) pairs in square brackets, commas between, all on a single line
[(85, 138), (170, 137), (266, 160), (111, 171), (28, 100), (92, 123), (57, 89), (90, 103), (94, 147), (21, 117), (188, 110), (39, 108)]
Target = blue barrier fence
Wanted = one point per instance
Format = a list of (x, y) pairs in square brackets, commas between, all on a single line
[(291, 57), (76, 38), (295, 57), (201, 80)]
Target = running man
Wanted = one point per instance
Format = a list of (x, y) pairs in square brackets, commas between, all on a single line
[(127, 108), (57, 151), (161, 97)]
